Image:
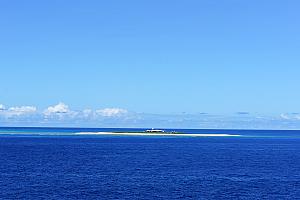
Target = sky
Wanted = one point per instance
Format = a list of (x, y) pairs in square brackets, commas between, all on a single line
[(189, 64)]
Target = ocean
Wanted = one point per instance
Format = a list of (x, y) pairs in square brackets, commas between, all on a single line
[(54, 163)]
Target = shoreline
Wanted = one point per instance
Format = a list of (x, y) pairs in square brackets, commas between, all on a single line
[(157, 134)]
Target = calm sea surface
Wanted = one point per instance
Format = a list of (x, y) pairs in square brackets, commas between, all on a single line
[(51, 163)]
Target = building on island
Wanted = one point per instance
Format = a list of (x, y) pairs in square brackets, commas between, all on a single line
[(155, 131)]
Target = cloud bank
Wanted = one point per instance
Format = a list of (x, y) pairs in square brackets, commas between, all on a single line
[(61, 115), (17, 111)]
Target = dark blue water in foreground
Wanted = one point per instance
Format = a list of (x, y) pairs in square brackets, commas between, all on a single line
[(59, 165)]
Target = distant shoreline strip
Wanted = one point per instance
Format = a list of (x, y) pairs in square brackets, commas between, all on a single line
[(157, 134)]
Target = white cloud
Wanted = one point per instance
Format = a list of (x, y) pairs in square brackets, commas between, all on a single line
[(284, 116), (57, 109), (111, 112), (292, 116), (22, 110), (297, 117), (2, 107), (87, 113)]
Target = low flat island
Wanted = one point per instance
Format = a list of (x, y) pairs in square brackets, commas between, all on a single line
[(173, 134)]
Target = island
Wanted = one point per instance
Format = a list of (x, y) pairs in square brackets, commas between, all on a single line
[(156, 132)]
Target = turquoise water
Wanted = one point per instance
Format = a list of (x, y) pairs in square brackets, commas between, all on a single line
[(51, 163)]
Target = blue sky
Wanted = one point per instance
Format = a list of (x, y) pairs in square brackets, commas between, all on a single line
[(167, 59)]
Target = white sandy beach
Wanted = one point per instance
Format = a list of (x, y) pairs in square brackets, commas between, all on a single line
[(157, 134)]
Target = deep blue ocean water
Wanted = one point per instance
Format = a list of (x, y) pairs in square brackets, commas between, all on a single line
[(53, 163)]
